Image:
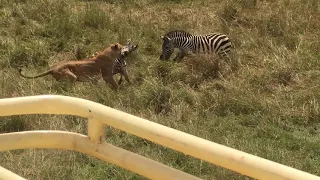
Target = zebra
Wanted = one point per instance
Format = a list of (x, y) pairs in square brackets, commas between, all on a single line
[(119, 64), (216, 43)]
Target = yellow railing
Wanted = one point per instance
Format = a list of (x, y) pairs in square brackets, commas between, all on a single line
[(94, 144)]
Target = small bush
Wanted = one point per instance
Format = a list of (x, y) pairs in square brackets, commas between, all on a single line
[(204, 65), (158, 98), (162, 71)]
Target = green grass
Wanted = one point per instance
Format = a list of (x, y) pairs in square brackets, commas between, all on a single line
[(268, 105)]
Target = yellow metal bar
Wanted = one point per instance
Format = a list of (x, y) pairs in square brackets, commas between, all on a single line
[(81, 143), (214, 153), (96, 130), (5, 174)]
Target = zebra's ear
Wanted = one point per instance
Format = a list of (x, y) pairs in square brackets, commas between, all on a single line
[(165, 38), (128, 42), (135, 47)]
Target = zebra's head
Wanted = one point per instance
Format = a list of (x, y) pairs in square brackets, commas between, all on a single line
[(128, 48), (167, 48)]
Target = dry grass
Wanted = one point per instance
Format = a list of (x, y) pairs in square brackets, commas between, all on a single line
[(265, 103)]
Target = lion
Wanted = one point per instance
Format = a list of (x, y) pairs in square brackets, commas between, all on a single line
[(91, 68)]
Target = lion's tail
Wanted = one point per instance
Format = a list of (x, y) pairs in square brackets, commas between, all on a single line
[(36, 76)]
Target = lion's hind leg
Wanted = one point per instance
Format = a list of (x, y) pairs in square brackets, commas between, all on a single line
[(68, 75), (65, 78)]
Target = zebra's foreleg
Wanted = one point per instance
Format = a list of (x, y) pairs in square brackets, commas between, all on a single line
[(177, 56), (180, 56), (120, 80), (124, 72)]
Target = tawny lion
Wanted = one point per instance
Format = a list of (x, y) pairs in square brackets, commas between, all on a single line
[(86, 69)]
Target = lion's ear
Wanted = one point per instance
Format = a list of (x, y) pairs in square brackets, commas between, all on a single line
[(115, 47)]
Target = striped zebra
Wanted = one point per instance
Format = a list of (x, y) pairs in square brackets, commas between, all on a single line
[(215, 43), (119, 64)]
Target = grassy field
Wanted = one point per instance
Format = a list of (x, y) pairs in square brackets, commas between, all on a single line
[(268, 105)]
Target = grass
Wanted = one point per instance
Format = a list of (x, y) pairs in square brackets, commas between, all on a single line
[(268, 105)]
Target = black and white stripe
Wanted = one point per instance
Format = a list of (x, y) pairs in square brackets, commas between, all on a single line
[(216, 43), (118, 65)]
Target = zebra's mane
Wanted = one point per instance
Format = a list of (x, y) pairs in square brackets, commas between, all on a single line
[(177, 33)]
